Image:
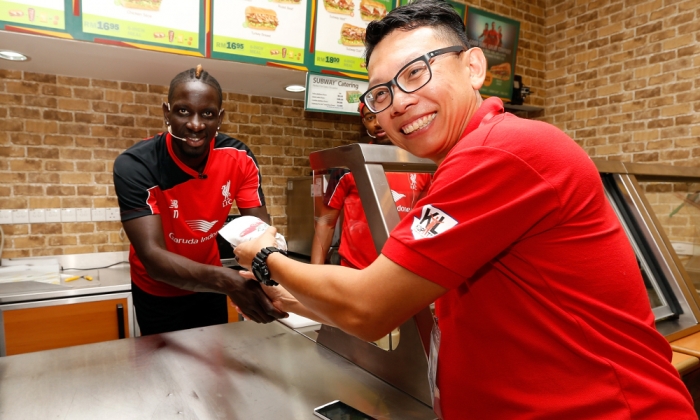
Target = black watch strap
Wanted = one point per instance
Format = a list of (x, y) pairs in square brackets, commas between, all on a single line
[(260, 268)]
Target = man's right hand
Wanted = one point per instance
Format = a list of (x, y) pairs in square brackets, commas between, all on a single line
[(146, 235), (250, 298)]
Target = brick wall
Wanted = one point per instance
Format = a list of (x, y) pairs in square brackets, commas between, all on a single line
[(623, 77), (59, 137)]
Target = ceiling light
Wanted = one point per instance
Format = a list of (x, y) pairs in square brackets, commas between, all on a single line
[(295, 88), (13, 56)]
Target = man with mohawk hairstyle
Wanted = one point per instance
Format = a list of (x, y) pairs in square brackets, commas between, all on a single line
[(175, 191)]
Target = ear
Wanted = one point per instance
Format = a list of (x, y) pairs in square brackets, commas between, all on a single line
[(166, 111), (477, 67), (221, 116)]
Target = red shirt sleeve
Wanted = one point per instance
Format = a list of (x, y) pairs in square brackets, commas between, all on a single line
[(481, 201), (339, 187), (249, 192)]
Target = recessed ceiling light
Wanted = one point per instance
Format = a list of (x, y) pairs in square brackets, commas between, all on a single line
[(13, 56), (295, 88)]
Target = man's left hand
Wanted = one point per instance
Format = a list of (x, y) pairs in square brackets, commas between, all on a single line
[(246, 251)]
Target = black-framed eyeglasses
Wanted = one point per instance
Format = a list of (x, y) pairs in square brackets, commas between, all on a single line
[(409, 79)]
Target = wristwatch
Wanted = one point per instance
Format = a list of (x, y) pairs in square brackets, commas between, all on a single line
[(259, 266)]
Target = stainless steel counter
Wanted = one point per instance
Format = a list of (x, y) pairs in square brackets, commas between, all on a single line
[(106, 280), (234, 371), (111, 280)]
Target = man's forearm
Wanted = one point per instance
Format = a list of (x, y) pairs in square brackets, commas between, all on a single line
[(323, 235), (330, 295), (183, 273), (291, 304)]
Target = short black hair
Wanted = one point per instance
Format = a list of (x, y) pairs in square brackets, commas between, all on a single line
[(437, 14), (195, 74)]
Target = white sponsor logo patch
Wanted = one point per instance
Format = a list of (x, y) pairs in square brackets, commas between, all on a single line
[(226, 192), (200, 225), (432, 222), (397, 196)]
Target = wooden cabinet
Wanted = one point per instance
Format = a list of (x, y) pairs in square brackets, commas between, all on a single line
[(55, 323)]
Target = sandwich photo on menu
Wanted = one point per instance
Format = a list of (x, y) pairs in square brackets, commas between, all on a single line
[(343, 7), (352, 36), (501, 71), (372, 10), (141, 4), (259, 18)]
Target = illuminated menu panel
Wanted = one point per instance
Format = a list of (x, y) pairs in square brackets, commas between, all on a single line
[(340, 31), (172, 23), (40, 13), (260, 30), (497, 36)]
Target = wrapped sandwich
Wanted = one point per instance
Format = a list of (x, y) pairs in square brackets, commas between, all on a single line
[(141, 4), (352, 36), (501, 71), (372, 10), (352, 96), (343, 7), (259, 18)]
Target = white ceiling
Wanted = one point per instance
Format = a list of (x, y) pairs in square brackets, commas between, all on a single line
[(86, 59)]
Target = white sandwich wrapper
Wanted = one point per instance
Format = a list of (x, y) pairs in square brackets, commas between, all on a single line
[(246, 228)]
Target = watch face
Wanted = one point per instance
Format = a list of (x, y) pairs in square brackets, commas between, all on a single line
[(260, 270), (256, 273)]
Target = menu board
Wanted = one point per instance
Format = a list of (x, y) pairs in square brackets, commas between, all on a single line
[(460, 8), (333, 94), (497, 36), (40, 13), (173, 23), (340, 31), (260, 30)]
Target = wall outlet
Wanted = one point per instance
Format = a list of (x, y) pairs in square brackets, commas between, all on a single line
[(5, 217), (20, 216), (53, 215), (37, 216), (112, 214), (68, 215), (98, 215), (683, 248), (83, 215)]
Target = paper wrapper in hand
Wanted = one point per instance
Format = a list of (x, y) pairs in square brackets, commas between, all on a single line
[(247, 228)]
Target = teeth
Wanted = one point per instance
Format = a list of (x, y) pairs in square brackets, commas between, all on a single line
[(418, 124)]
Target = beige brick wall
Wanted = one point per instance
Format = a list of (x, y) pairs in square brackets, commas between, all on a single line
[(623, 77), (59, 137)]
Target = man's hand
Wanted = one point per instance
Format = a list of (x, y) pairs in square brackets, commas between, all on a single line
[(252, 301), (278, 295), (284, 301), (246, 251)]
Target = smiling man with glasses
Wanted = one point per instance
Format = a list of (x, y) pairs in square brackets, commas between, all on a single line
[(541, 309)]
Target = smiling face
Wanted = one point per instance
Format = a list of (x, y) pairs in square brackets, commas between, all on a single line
[(195, 116), (373, 128), (429, 121)]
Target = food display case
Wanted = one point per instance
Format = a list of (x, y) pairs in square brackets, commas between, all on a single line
[(403, 363), (658, 206)]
